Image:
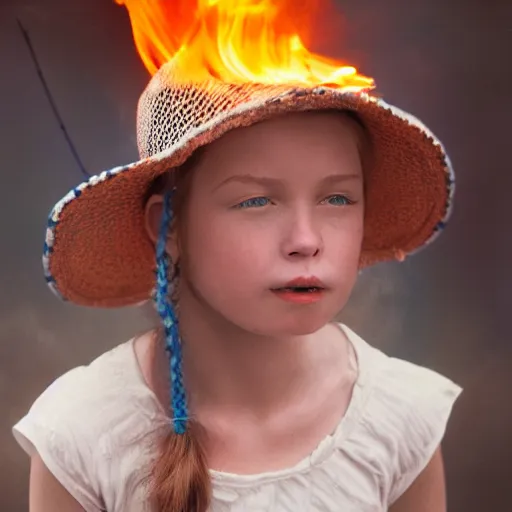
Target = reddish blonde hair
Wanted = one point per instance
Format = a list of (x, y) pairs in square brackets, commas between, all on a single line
[(179, 479)]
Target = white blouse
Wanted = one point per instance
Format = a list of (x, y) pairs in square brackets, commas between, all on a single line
[(94, 429)]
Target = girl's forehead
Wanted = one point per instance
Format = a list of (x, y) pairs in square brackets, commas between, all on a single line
[(292, 129), (325, 141)]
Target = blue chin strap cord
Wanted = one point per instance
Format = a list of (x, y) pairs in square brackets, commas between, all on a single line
[(170, 323)]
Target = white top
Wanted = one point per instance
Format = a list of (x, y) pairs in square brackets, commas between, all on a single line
[(93, 429)]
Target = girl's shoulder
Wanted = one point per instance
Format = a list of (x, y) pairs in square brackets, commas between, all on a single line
[(398, 408), (394, 375), (89, 420), (113, 379)]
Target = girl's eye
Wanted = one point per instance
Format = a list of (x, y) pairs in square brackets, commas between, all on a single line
[(254, 202), (339, 200)]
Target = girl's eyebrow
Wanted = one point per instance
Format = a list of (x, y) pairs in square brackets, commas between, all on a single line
[(267, 181), (335, 178), (249, 178)]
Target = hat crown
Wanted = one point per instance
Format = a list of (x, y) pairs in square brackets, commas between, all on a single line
[(172, 110)]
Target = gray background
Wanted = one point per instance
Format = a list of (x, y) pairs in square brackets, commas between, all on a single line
[(448, 62)]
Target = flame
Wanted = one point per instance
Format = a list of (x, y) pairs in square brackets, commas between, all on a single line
[(236, 41)]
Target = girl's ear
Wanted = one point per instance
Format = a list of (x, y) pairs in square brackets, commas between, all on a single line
[(152, 221)]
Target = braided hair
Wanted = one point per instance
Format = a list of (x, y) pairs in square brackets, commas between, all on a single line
[(179, 479)]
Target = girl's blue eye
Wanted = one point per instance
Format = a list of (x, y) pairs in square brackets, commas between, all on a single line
[(254, 202), (339, 200)]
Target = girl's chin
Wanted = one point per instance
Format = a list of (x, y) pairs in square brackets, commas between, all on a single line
[(295, 325)]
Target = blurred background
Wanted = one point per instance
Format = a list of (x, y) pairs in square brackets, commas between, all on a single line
[(447, 308)]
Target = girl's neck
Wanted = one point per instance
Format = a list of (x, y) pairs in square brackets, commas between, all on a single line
[(228, 368)]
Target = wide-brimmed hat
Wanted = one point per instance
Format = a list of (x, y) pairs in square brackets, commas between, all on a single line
[(97, 251)]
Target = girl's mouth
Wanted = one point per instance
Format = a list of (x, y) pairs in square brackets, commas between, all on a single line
[(300, 294), (300, 289)]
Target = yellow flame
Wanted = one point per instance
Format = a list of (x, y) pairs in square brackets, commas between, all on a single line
[(236, 41)]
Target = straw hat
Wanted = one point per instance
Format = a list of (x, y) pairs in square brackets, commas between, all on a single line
[(97, 252)]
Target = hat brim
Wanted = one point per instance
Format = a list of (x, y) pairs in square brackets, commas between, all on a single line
[(97, 251)]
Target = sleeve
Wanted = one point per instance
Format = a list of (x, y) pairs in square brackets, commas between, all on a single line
[(423, 403), (56, 427)]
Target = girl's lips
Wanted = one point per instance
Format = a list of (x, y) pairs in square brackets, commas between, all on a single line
[(301, 290), (304, 282), (300, 295)]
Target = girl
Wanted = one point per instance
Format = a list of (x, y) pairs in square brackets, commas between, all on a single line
[(260, 203)]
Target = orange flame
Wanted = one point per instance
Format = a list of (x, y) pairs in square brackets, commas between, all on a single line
[(236, 41)]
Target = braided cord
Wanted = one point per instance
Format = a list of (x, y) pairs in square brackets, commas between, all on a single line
[(170, 323)]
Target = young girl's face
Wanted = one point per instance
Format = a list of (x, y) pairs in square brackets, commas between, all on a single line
[(268, 205)]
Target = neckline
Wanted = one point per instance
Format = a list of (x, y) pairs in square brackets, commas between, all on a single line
[(325, 447)]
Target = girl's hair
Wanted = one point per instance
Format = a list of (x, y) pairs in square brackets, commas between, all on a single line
[(179, 478)]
